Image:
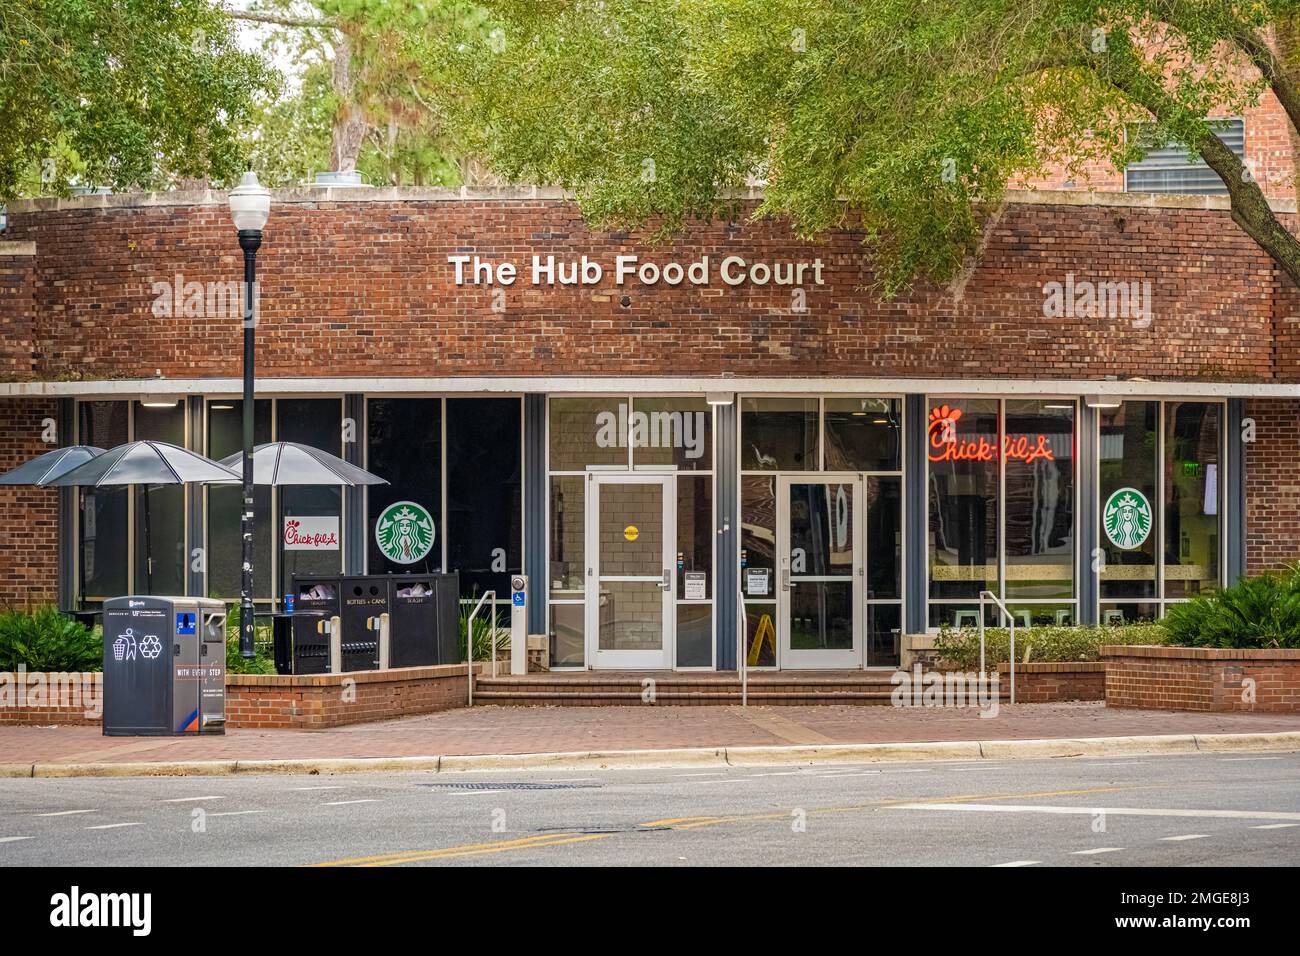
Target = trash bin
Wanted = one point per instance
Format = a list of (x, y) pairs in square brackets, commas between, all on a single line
[(413, 620), (316, 598), (362, 599), (164, 666)]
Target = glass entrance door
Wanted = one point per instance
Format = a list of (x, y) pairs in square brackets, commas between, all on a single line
[(820, 605), (631, 575)]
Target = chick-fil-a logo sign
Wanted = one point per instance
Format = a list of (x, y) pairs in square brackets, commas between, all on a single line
[(947, 445), (311, 534)]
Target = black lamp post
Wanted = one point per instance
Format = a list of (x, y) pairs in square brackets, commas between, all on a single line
[(250, 207)]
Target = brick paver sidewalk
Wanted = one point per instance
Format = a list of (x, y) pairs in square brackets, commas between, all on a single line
[(489, 729)]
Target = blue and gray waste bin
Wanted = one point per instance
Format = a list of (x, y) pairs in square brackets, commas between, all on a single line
[(164, 666)]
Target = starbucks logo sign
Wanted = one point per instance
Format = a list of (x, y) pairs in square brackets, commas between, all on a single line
[(404, 532), (1127, 518)]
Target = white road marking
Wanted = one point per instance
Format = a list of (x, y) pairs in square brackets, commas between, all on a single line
[(234, 813), (1099, 849), (315, 788), (190, 799), (63, 813), (1109, 811), (344, 803), (1018, 863), (1187, 836), (707, 773), (113, 826), (1240, 759), (12, 839), (1274, 826)]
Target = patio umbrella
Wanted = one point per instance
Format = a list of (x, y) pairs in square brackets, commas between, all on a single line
[(288, 463), (43, 469), (145, 463)]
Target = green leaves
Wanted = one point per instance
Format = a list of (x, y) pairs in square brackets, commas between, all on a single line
[(960, 647), (46, 640), (1263, 611), (905, 119), (140, 92)]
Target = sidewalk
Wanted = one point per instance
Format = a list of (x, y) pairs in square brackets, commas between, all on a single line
[(532, 730)]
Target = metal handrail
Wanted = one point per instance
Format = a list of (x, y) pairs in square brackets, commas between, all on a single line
[(469, 640), (990, 596), (742, 659)]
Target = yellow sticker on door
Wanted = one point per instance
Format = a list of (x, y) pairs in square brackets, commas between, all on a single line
[(631, 532)]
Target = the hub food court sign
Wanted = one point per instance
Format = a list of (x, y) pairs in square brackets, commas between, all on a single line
[(630, 270)]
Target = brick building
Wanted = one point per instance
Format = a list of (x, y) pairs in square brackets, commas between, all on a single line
[(1098, 420)]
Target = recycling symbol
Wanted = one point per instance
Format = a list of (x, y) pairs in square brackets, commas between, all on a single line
[(150, 647)]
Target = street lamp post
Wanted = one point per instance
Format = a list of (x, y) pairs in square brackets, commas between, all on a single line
[(250, 207)]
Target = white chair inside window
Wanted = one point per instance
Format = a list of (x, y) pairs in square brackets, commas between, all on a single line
[(1064, 616), (1023, 617), (1112, 616), (966, 619)]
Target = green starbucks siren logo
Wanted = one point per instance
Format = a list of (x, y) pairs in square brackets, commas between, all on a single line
[(1127, 518), (404, 532)]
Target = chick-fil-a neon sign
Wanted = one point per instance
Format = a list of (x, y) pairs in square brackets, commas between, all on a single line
[(946, 445)]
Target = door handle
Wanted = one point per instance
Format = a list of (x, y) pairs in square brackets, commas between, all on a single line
[(667, 584)]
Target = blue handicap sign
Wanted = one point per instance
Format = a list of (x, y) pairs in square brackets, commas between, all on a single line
[(185, 623), (517, 598)]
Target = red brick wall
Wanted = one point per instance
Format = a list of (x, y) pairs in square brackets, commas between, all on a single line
[(1273, 485), (1202, 679), (17, 305), (364, 288), (41, 698), (29, 517), (1045, 682)]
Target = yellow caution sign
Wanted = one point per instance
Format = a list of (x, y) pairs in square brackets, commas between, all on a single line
[(765, 632)]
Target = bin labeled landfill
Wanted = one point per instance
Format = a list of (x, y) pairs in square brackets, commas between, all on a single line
[(164, 666)]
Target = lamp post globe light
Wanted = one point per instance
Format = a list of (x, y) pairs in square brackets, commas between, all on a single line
[(250, 207)]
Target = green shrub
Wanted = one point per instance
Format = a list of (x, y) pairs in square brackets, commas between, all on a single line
[(1263, 611), (264, 662), (960, 646), (484, 629), (46, 640)]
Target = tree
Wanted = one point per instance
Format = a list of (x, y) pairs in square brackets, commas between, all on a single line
[(385, 97), (907, 118), (120, 93)]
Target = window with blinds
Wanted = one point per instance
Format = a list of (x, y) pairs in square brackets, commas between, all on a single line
[(1165, 169)]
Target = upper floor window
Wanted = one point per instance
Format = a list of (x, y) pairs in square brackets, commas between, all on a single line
[(1166, 168)]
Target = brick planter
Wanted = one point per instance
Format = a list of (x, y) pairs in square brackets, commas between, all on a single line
[(1202, 678), (1045, 682), (307, 702)]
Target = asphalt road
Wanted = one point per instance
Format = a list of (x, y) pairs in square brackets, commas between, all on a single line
[(1211, 810)]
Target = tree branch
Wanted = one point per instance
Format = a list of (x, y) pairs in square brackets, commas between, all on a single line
[(324, 23)]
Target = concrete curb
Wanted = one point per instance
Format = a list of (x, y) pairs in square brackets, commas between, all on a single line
[(802, 755)]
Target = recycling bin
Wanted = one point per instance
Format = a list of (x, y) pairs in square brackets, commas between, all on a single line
[(362, 599), (424, 611), (164, 666)]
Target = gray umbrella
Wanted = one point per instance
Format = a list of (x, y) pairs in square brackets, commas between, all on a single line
[(288, 463), (146, 463), (45, 468)]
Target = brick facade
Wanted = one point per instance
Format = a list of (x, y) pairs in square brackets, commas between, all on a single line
[(29, 517), (1203, 678), (1273, 485), (1045, 682), (364, 288)]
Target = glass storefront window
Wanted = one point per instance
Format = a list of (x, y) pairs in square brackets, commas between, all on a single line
[(566, 633), (695, 535), (863, 434), (675, 432), (225, 438), (567, 542), (1039, 496), (884, 634), (962, 447), (160, 554), (758, 536), (104, 511), (404, 441), (316, 422), (484, 493), (884, 537), (778, 434), (588, 431), (1192, 485), (1127, 451), (694, 635)]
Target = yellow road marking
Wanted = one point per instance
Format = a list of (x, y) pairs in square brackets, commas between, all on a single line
[(497, 844)]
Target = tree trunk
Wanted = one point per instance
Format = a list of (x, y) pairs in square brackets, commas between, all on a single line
[(349, 130)]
